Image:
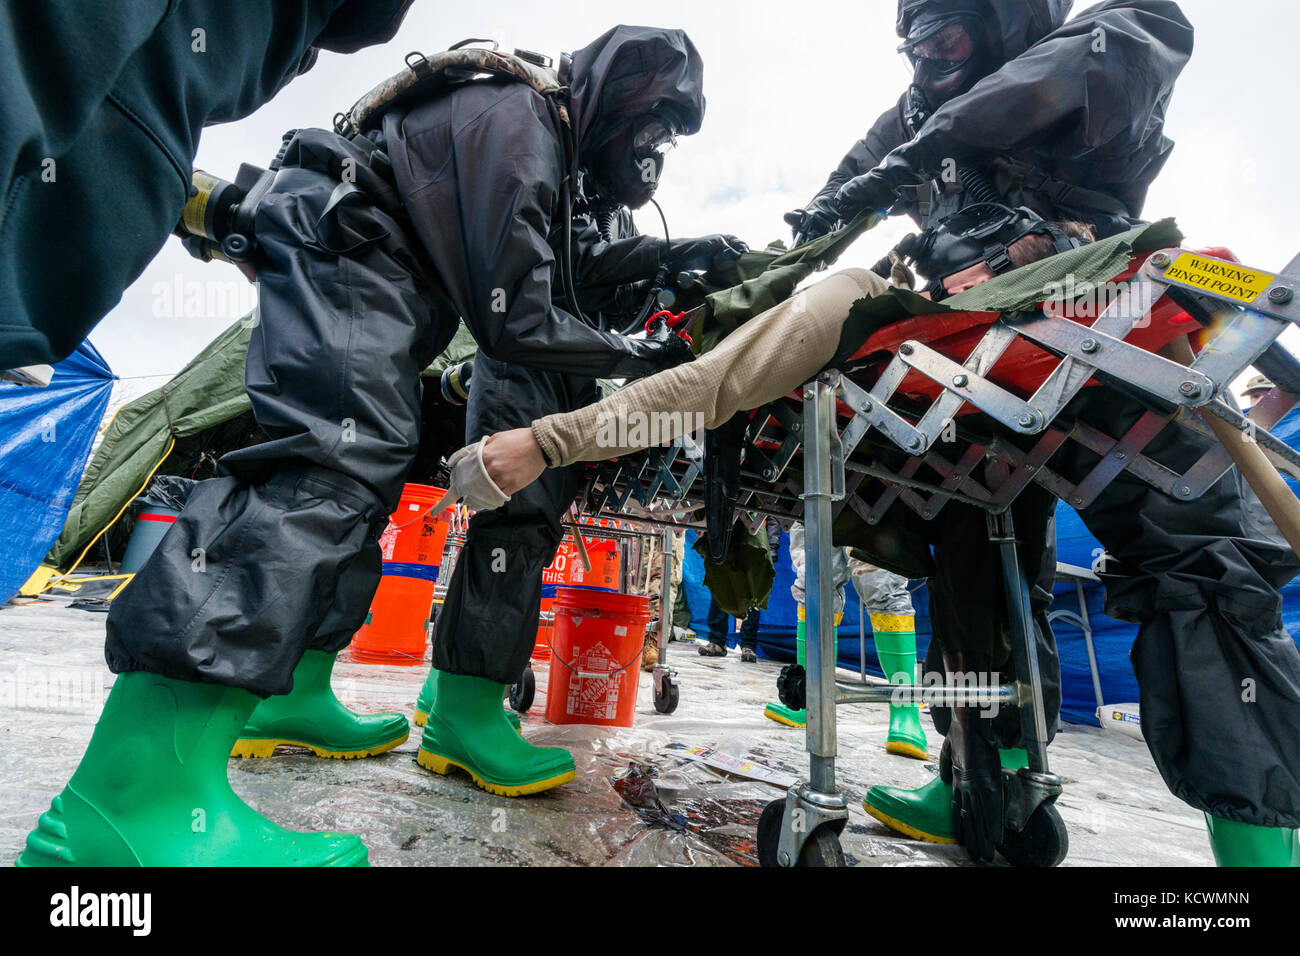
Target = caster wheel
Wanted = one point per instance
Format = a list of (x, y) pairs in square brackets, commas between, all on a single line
[(521, 694), (769, 833), (1042, 843), (821, 849), (791, 687), (666, 702)]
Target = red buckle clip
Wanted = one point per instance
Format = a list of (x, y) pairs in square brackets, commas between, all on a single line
[(671, 319)]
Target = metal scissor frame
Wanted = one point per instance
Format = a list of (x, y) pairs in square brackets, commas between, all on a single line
[(1242, 332)]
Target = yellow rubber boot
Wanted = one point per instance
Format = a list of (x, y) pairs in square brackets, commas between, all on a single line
[(424, 703), (465, 730), (311, 716), (152, 790), (896, 649)]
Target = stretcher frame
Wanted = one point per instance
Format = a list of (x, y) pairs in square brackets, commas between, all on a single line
[(661, 485)]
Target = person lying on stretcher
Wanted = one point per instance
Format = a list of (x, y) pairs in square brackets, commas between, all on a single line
[(768, 357)]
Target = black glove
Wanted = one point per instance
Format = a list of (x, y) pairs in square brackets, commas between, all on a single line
[(877, 189), (704, 252), (662, 349), (972, 750), (977, 801), (819, 218)]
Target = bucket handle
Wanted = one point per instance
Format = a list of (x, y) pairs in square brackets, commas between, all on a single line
[(418, 517), (555, 655)]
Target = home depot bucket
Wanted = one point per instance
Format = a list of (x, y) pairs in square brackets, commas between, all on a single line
[(596, 657), (566, 569), (397, 628)]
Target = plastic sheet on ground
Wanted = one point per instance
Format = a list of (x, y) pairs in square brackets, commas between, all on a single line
[(633, 803)]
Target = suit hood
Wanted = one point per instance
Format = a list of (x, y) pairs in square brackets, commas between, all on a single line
[(631, 71)]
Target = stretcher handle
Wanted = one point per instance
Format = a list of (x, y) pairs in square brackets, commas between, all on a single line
[(1278, 499)]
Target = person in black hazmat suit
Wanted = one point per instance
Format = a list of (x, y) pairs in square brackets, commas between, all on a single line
[(101, 107), (371, 250), (1065, 119), (487, 627)]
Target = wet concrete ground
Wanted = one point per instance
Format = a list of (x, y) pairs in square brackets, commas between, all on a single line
[(53, 682)]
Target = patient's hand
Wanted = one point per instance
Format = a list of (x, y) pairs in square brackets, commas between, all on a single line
[(513, 459)]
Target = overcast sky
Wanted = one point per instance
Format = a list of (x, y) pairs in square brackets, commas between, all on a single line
[(790, 86)]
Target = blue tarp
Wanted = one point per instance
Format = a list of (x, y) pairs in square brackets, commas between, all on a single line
[(45, 438), (1112, 639)]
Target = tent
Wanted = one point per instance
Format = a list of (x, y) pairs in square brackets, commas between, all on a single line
[(183, 427), (45, 437)]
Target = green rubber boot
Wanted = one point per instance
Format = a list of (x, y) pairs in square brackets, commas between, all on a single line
[(151, 790), (778, 711), (925, 813), (897, 653), (311, 716), (465, 729), (1243, 844), (424, 703)]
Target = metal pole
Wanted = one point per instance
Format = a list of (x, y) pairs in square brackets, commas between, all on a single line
[(1033, 722), (862, 642), (665, 596), (1087, 640), (819, 421)]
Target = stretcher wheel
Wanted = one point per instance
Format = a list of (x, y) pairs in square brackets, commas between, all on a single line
[(666, 696), (822, 848), (791, 687), (521, 694), (769, 832), (1042, 843)]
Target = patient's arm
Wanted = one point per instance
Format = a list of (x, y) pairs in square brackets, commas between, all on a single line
[(768, 357)]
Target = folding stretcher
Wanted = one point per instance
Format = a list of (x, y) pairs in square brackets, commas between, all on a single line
[(906, 389)]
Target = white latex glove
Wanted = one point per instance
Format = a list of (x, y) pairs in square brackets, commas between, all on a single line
[(470, 482)]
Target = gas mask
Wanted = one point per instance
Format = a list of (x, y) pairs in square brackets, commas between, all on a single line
[(949, 52), (627, 168)]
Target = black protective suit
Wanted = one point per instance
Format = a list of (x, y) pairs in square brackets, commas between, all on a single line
[(362, 283), (1063, 127), (101, 107), (1074, 131)]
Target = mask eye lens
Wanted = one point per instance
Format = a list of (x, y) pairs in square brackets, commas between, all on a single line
[(952, 43), (653, 137)]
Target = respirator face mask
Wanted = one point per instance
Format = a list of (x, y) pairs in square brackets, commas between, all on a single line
[(628, 168), (948, 54)]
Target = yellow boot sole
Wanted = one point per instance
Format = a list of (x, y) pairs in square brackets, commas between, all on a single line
[(265, 748), (906, 750), (781, 720), (442, 765), (899, 827)]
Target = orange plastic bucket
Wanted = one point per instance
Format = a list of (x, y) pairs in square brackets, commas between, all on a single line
[(566, 569), (596, 656), (397, 629)]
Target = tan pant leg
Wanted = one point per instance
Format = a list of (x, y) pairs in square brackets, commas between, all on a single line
[(769, 356)]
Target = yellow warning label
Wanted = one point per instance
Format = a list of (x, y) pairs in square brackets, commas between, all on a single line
[(1217, 277)]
